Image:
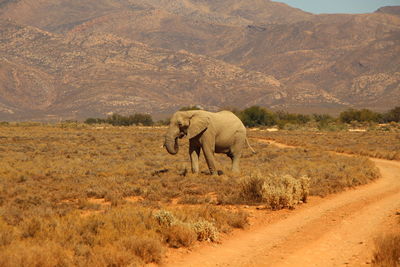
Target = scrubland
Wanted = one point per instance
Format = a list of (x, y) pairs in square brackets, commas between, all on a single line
[(73, 194), (377, 144)]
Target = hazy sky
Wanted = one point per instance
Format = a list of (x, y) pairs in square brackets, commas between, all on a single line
[(340, 6)]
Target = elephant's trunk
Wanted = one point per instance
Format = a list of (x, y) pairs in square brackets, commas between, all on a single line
[(171, 143)]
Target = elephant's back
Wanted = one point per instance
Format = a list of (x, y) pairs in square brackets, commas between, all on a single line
[(228, 119)]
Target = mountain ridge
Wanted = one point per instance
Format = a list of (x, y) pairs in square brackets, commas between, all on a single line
[(257, 52)]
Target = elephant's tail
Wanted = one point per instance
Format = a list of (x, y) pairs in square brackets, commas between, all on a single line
[(248, 144)]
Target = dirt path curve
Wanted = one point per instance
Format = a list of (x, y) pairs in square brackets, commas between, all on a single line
[(334, 231)]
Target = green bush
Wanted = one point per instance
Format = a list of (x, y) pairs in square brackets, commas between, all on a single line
[(120, 120), (363, 115), (392, 115), (285, 117), (257, 116)]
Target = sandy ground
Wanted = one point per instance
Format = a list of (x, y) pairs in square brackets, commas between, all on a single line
[(338, 230)]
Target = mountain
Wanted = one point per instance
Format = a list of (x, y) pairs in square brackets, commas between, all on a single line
[(50, 75), (244, 52), (354, 58), (392, 10)]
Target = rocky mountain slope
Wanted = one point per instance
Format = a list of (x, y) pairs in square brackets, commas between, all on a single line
[(80, 75), (243, 51)]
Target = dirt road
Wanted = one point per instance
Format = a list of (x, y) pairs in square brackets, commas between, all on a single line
[(335, 231)]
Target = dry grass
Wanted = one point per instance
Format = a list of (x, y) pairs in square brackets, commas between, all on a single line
[(377, 144), (387, 250), (88, 196), (278, 191)]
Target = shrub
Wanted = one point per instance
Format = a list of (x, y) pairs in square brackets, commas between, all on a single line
[(110, 256), (205, 231), (148, 249), (284, 118), (277, 191), (164, 218), (94, 121), (120, 120), (257, 116), (392, 115), (141, 119), (179, 235), (363, 115)]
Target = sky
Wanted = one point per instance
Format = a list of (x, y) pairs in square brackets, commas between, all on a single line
[(340, 6)]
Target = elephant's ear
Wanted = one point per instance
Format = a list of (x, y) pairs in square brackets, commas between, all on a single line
[(197, 125)]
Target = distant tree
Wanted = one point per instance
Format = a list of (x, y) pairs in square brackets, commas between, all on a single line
[(349, 115), (163, 122), (364, 115), (370, 116), (120, 120), (392, 115), (323, 118), (143, 119), (284, 117), (94, 121), (257, 116)]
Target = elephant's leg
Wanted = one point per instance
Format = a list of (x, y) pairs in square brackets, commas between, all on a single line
[(235, 163), (194, 152), (236, 152), (209, 155)]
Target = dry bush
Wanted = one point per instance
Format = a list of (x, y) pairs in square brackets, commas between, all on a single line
[(147, 248), (165, 218), (276, 191), (203, 224), (387, 251), (223, 219), (109, 255), (29, 253), (205, 231), (7, 234), (180, 235)]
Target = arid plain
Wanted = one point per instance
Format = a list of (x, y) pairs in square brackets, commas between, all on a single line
[(320, 191), (74, 194)]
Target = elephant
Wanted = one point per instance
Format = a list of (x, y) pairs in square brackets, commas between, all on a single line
[(220, 132)]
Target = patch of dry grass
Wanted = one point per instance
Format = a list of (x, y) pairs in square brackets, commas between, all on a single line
[(377, 144), (387, 250), (277, 191), (77, 195)]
